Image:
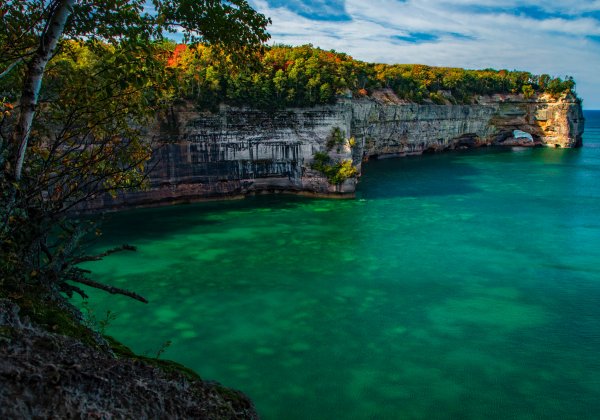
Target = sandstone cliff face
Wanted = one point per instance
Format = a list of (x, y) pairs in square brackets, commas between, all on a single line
[(404, 129), (236, 152)]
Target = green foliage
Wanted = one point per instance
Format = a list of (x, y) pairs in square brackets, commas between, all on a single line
[(437, 98), (81, 134), (336, 138), (85, 141), (84, 78), (528, 91), (335, 172), (320, 159), (557, 86), (307, 76), (95, 323), (230, 25), (343, 170)]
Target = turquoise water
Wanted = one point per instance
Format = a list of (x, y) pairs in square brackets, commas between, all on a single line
[(460, 285)]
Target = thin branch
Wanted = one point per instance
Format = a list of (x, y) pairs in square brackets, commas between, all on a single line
[(69, 289), (104, 254), (12, 66), (110, 289)]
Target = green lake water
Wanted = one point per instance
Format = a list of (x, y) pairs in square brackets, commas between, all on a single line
[(459, 285)]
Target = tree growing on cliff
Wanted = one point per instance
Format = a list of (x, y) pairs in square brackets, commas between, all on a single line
[(308, 76), (78, 81)]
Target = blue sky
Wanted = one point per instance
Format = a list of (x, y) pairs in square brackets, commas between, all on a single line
[(542, 36)]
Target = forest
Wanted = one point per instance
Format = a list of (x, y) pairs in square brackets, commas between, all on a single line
[(284, 76)]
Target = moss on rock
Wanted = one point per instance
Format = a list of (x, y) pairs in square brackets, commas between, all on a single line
[(51, 365)]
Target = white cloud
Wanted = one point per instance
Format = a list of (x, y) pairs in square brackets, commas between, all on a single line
[(567, 7), (559, 45)]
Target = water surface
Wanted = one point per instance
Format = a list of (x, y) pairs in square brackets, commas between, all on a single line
[(461, 285)]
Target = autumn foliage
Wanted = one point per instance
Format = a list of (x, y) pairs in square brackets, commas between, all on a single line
[(175, 58), (305, 76)]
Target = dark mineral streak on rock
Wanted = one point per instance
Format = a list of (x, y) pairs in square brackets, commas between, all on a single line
[(237, 152)]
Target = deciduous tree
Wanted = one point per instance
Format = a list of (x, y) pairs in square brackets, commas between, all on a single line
[(79, 80)]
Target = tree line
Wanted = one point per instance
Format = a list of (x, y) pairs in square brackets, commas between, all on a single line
[(285, 76)]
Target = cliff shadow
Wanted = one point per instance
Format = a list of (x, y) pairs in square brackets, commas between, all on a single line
[(158, 222), (447, 173)]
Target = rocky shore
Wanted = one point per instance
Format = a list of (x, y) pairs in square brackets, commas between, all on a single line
[(239, 151), (45, 374)]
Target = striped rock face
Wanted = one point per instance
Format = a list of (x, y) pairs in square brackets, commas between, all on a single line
[(238, 151)]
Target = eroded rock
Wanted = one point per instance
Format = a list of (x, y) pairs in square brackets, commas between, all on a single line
[(237, 152)]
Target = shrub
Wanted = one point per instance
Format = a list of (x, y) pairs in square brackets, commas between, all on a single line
[(336, 173)]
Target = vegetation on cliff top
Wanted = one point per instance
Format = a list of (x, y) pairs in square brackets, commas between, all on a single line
[(305, 76)]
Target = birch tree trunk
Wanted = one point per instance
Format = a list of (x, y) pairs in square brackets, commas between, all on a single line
[(33, 79)]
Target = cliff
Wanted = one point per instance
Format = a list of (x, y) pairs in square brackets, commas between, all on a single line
[(239, 151)]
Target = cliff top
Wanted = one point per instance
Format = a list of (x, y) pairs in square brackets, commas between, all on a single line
[(305, 76)]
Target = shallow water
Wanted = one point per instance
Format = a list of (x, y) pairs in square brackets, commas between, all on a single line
[(461, 285)]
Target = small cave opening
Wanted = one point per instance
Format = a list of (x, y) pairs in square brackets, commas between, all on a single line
[(516, 135), (466, 141)]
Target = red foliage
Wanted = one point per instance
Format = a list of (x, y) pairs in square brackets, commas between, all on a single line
[(287, 64), (176, 56)]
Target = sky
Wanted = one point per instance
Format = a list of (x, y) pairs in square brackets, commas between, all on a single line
[(558, 37)]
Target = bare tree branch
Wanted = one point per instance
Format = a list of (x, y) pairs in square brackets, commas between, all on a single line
[(110, 289), (104, 254)]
